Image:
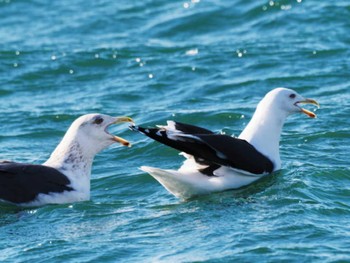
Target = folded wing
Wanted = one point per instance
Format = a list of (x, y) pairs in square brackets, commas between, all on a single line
[(209, 148), (21, 183)]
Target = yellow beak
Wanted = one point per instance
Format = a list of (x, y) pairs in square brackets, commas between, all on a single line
[(119, 139), (307, 112)]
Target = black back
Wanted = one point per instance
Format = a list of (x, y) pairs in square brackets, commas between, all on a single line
[(191, 129), (21, 183), (212, 149)]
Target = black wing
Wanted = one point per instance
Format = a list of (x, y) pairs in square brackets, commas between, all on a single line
[(213, 149), (21, 183), (190, 129)]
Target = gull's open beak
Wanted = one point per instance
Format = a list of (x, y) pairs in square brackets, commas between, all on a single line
[(119, 139), (307, 112)]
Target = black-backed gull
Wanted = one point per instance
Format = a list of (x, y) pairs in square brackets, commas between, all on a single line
[(65, 176), (217, 162)]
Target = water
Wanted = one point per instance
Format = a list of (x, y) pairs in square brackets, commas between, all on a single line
[(203, 62)]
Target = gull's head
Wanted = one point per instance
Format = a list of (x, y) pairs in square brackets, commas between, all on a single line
[(92, 130), (288, 101)]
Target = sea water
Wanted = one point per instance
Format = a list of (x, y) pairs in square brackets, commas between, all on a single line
[(207, 63)]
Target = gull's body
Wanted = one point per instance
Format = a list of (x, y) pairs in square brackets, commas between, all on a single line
[(65, 176), (218, 162)]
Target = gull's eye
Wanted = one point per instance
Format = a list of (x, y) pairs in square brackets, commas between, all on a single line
[(292, 96), (98, 120)]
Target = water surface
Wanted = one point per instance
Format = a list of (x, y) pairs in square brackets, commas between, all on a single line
[(203, 62)]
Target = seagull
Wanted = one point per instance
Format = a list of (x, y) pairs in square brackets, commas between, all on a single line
[(217, 162), (65, 176)]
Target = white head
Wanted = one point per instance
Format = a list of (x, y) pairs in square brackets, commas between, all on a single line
[(87, 136), (285, 102), (264, 129), (91, 130)]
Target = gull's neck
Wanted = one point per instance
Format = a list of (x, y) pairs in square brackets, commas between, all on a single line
[(72, 157), (264, 131)]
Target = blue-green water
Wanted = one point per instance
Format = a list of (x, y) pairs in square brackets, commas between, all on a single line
[(204, 62)]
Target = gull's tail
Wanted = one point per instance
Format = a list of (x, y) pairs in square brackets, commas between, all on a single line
[(180, 185)]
